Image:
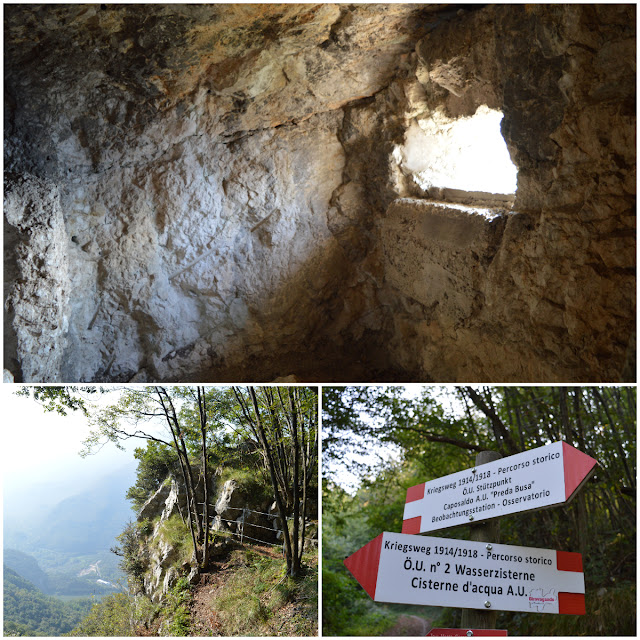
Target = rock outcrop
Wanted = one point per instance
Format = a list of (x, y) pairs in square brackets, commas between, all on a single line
[(237, 511), (234, 509), (156, 504), (205, 192), (164, 561)]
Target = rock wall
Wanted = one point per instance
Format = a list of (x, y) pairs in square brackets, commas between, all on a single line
[(555, 301), (225, 174), (197, 151), (37, 286)]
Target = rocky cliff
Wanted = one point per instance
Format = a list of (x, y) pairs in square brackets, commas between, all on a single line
[(208, 192), (237, 511)]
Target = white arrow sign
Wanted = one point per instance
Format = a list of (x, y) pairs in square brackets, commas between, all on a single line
[(530, 480), (408, 569)]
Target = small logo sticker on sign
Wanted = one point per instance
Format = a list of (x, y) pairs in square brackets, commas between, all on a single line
[(538, 600)]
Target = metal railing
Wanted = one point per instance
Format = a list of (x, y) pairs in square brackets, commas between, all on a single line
[(242, 536), (240, 525)]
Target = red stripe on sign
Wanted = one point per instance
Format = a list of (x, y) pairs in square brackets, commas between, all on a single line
[(412, 525), (364, 564), (571, 603), (569, 561), (577, 466), (415, 493)]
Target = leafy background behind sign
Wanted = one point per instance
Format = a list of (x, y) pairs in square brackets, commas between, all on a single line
[(378, 441)]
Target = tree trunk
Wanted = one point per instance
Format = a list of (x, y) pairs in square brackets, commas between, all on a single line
[(274, 481), (500, 430), (183, 466), (296, 479), (202, 406)]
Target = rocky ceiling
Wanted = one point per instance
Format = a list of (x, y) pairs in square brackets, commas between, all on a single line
[(245, 67)]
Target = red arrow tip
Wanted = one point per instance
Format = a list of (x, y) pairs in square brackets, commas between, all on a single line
[(363, 564), (577, 466)]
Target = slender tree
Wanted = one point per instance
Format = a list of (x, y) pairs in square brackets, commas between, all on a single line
[(284, 423), (138, 414)]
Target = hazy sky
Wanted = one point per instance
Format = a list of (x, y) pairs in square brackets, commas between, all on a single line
[(40, 446)]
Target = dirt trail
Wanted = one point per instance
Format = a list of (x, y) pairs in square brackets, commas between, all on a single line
[(204, 618), (409, 626)]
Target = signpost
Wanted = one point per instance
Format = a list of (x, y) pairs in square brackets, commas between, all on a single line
[(409, 569), (531, 480), (468, 632), (480, 574), (483, 531)]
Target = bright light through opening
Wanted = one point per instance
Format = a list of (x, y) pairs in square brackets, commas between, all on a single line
[(469, 154)]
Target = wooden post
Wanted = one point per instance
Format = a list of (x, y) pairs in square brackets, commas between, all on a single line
[(488, 531)]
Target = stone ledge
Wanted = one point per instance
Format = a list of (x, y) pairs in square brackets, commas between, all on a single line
[(438, 253)]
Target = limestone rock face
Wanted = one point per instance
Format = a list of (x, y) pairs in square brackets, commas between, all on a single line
[(156, 503), (196, 150), (439, 253), (239, 512), (229, 501), (174, 503), (233, 509), (162, 574), (37, 278), (202, 192), (556, 301)]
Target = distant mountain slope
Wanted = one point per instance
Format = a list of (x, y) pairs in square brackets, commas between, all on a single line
[(71, 535), (10, 577), (70, 581), (27, 611), (85, 523), (26, 567)]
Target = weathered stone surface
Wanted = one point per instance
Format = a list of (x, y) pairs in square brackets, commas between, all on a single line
[(214, 183), (438, 254), (229, 503), (156, 503), (557, 301), (162, 573), (37, 283), (174, 503), (196, 149)]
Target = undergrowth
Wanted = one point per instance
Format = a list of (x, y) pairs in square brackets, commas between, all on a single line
[(118, 614), (347, 610), (610, 612), (176, 610), (258, 597), (176, 533)]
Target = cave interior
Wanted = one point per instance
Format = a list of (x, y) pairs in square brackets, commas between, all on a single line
[(264, 192)]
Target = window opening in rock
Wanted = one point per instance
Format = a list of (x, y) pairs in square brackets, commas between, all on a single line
[(458, 159)]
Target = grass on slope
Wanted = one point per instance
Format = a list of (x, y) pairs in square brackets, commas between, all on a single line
[(251, 595)]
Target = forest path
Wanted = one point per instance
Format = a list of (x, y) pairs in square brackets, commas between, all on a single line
[(409, 626), (205, 620)]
